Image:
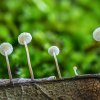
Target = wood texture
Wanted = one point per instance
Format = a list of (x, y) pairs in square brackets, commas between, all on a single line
[(85, 87)]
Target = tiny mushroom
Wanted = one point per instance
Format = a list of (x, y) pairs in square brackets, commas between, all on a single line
[(6, 49), (23, 39), (53, 51), (96, 34), (75, 70)]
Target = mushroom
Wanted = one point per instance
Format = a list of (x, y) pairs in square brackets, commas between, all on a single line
[(96, 34), (53, 51), (75, 70), (23, 39), (6, 49)]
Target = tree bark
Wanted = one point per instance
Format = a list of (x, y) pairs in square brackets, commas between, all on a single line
[(86, 87)]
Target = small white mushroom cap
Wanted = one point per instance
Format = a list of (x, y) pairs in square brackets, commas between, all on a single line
[(53, 49), (24, 38), (75, 68), (6, 49), (96, 34)]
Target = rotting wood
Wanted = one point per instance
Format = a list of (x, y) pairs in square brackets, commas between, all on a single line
[(86, 87)]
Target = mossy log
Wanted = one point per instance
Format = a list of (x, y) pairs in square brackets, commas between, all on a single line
[(86, 87)]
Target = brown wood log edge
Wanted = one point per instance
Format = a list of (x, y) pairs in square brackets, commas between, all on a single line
[(83, 87)]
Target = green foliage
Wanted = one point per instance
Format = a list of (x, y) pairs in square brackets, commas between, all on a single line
[(66, 23)]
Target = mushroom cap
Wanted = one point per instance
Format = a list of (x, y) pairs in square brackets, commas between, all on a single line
[(75, 68), (53, 49), (96, 34), (6, 48), (24, 38)]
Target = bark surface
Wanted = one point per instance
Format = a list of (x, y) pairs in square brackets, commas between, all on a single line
[(85, 87)]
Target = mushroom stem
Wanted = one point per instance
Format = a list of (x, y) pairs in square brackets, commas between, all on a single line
[(75, 70), (29, 63), (57, 66), (8, 66)]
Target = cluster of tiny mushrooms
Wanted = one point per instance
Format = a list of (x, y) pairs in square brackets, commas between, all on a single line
[(24, 38)]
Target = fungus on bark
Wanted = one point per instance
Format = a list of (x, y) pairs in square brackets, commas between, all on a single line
[(53, 51), (75, 70), (23, 39), (6, 49)]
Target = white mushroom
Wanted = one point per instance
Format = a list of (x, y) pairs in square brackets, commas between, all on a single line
[(23, 39), (96, 34), (6, 49), (53, 51), (75, 70)]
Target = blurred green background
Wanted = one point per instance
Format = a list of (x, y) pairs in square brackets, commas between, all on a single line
[(68, 24)]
